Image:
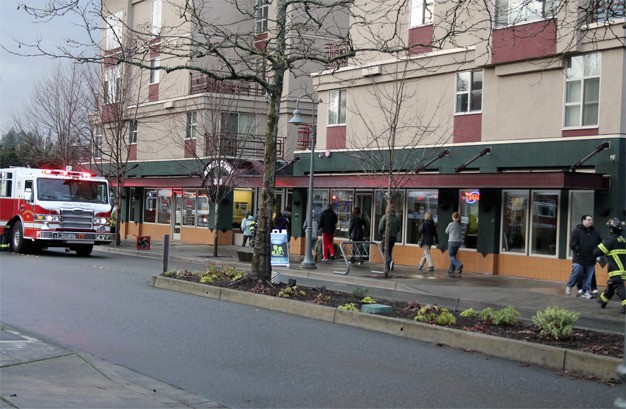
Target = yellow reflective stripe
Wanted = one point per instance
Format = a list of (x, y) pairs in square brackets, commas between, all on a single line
[(615, 254), (603, 248), (623, 303), (603, 298)]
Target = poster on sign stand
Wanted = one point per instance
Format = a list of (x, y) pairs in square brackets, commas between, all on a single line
[(279, 248)]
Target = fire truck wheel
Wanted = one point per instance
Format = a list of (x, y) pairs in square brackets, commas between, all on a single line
[(17, 238), (84, 250)]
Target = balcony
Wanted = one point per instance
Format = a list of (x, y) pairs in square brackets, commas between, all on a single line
[(201, 83), (242, 146)]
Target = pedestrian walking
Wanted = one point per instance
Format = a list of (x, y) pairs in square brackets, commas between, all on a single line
[(394, 231), (327, 224), (614, 249), (429, 238), (583, 242), (455, 239), (246, 227), (356, 233)]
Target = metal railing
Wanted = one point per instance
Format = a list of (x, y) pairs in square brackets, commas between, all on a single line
[(201, 83)]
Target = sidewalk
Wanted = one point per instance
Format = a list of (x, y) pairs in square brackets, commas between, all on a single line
[(408, 283), (41, 374)]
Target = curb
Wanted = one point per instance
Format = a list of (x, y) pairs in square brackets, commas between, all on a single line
[(561, 359)]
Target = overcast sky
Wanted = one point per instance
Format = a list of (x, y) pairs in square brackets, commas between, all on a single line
[(18, 74)]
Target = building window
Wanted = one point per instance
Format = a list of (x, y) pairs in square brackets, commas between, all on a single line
[(418, 203), (469, 91), (113, 31), (511, 12), (149, 209), (582, 90), (337, 107), (192, 125), (132, 132), (203, 208), (164, 206), (98, 142), (608, 11), (468, 210), (514, 221), (112, 85), (380, 203), (157, 6), (188, 210), (530, 228), (261, 8), (155, 63), (343, 203), (421, 12), (544, 223)]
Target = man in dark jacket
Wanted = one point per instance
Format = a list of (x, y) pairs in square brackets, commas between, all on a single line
[(583, 242), (327, 224), (614, 249)]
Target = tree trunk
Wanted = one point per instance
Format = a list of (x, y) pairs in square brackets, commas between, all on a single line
[(216, 231)]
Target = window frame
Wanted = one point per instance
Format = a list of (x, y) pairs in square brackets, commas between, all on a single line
[(191, 129), (157, 13), (155, 74), (548, 11), (421, 12), (470, 93), (112, 84), (584, 79), (113, 31), (98, 142), (133, 126), (261, 16), (337, 107)]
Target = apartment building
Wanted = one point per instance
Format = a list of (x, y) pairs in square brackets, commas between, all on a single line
[(514, 116), (166, 130)]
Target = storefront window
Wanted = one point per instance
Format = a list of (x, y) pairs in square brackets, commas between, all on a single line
[(132, 205), (545, 208), (468, 209), (320, 199), (581, 202), (343, 202), (418, 203), (203, 208), (189, 207), (164, 206), (381, 208), (514, 221), (149, 212)]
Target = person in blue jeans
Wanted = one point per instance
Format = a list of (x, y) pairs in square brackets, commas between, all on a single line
[(583, 241), (455, 239)]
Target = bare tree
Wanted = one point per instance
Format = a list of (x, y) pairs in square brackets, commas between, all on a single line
[(384, 143), (54, 121), (221, 135)]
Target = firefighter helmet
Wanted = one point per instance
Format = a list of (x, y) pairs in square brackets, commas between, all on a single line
[(615, 224)]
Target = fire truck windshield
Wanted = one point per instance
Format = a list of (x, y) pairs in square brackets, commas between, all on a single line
[(75, 190)]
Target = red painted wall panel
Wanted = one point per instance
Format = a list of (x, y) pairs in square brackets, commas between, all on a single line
[(467, 128), (422, 37), (523, 42), (336, 137)]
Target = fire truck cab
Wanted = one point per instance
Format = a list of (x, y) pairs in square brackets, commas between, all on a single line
[(53, 208)]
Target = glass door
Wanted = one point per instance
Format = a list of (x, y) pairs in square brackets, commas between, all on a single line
[(364, 202)]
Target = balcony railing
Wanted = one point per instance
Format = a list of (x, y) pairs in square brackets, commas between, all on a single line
[(608, 10), (242, 146), (200, 83)]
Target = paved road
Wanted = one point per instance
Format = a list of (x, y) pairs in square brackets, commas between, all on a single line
[(245, 357)]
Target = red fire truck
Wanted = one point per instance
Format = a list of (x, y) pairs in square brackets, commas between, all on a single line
[(53, 208)]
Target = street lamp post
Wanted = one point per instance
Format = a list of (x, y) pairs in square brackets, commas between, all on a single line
[(309, 261)]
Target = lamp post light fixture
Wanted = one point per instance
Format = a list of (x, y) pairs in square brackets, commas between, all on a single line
[(309, 261)]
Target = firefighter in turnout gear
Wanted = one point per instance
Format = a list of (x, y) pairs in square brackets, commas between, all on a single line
[(614, 248)]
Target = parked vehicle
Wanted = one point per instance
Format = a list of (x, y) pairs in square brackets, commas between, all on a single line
[(53, 208)]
